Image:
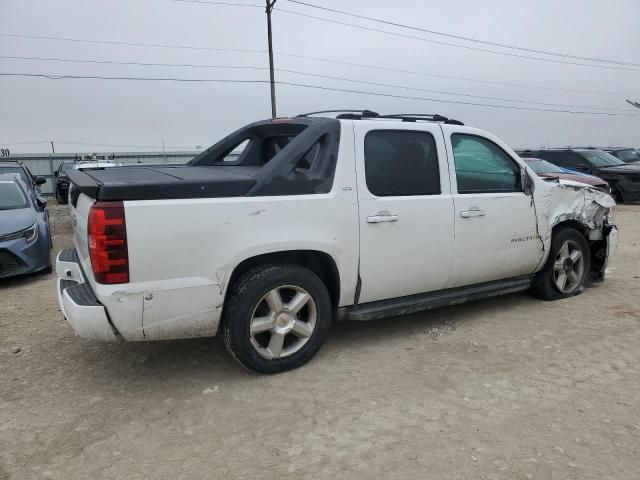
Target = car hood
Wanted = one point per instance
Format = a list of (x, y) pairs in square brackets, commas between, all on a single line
[(628, 168), (576, 177), (12, 221)]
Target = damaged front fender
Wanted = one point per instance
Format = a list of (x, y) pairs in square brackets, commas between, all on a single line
[(583, 207)]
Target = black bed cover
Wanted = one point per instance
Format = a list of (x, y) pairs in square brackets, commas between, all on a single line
[(153, 182)]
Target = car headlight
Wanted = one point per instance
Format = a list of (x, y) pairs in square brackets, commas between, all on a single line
[(29, 234)]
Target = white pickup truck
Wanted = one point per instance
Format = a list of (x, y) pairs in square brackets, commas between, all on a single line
[(358, 216)]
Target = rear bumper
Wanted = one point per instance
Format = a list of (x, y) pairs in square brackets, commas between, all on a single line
[(78, 303)]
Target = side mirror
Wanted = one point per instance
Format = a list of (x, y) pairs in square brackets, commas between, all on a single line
[(42, 203), (56, 173), (39, 181)]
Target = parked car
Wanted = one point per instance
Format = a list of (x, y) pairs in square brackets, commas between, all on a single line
[(627, 155), (25, 239), (548, 170), (62, 181), (623, 178), (62, 178), (22, 170), (355, 217)]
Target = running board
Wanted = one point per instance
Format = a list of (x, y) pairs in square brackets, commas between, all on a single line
[(428, 301)]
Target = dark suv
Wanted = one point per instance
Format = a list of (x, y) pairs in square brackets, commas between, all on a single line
[(627, 155), (62, 181), (624, 178)]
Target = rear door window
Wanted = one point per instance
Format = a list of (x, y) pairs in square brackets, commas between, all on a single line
[(401, 163)]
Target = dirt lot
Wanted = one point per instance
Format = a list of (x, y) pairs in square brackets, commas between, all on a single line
[(508, 388)]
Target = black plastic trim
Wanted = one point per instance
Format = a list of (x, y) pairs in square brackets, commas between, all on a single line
[(442, 298), (82, 294), (64, 284), (69, 255)]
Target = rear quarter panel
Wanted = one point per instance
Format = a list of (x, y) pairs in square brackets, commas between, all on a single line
[(182, 252)]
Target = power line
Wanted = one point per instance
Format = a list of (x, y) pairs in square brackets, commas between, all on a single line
[(413, 37), (297, 72), (318, 59), (227, 4), (100, 77), (465, 47), (443, 92), (131, 44), (25, 143), (303, 85), (143, 64), (461, 37)]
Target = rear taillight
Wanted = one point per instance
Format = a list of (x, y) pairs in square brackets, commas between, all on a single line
[(107, 238)]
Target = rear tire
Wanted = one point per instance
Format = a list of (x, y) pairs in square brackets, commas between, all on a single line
[(61, 200), (567, 267), (277, 318)]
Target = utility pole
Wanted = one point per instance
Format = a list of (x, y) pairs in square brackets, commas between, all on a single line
[(270, 4), (53, 149)]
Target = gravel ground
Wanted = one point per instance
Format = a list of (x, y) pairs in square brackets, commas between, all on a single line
[(507, 388)]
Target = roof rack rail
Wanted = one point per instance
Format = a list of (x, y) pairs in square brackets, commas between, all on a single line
[(348, 114), (344, 112), (430, 117)]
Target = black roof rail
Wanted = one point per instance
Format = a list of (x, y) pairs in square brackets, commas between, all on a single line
[(348, 114), (430, 117), (344, 112)]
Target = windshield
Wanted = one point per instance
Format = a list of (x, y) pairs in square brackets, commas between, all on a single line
[(601, 159), (11, 196), (628, 155), (16, 169), (542, 166), (66, 167)]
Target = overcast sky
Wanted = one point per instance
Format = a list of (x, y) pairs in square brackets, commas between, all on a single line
[(143, 113)]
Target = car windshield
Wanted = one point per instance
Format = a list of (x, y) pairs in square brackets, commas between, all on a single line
[(17, 169), (66, 167), (628, 155), (11, 196), (542, 166), (601, 159)]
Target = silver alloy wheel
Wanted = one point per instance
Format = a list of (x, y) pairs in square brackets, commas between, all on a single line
[(568, 268), (282, 322)]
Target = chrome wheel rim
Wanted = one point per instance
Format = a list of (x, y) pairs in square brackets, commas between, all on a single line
[(568, 268), (283, 322)]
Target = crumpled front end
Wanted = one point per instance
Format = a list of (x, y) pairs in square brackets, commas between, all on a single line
[(588, 210)]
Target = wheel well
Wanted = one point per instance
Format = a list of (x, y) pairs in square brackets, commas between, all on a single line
[(571, 224), (319, 263)]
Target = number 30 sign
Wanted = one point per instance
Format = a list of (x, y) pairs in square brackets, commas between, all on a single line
[(4, 152)]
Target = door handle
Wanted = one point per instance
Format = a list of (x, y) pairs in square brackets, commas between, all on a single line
[(382, 217), (472, 212)]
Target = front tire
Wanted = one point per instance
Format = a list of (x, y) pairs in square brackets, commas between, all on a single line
[(567, 267), (277, 318)]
